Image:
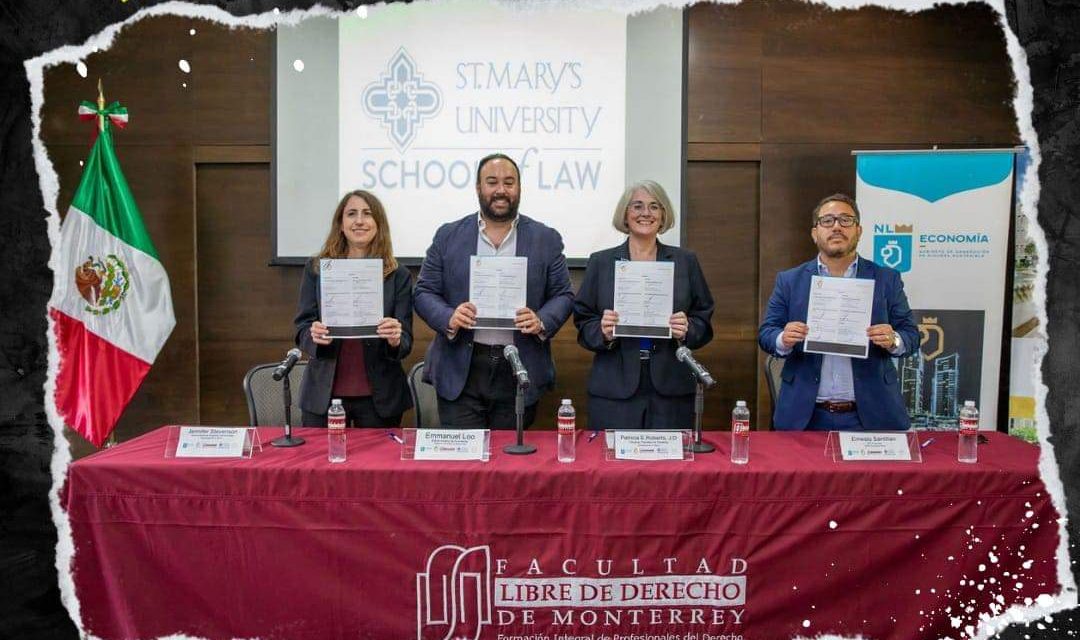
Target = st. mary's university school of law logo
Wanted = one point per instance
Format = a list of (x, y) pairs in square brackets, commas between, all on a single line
[(892, 246), (401, 100)]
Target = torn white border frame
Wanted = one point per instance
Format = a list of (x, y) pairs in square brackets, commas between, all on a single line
[(1023, 102)]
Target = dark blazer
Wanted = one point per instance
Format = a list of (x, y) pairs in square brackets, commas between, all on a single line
[(617, 367), (390, 391), (443, 284), (877, 389)]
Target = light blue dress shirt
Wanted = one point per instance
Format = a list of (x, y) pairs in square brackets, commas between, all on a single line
[(836, 383)]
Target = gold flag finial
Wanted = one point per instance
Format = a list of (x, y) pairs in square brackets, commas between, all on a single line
[(100, 105)]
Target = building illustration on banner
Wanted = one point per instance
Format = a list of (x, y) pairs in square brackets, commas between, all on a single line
[(946, 370)]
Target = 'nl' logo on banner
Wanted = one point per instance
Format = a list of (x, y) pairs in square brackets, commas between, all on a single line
[(892, 246)]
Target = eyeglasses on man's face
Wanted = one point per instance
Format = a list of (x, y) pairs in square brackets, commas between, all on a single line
[(637, 206), (830, 220)]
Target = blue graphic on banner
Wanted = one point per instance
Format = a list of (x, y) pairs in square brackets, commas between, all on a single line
[(402, 100), (893, 246), (933, 176), (893, 251)]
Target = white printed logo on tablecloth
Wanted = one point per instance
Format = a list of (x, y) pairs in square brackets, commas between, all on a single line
[(462, 590)]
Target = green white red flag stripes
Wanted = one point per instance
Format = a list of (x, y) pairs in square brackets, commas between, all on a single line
[(111, 306)]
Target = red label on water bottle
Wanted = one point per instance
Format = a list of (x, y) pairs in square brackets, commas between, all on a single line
[(566, 424), (969, 427), (741, 428)]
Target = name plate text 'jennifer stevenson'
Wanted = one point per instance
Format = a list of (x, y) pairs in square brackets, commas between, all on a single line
[(211, 442)]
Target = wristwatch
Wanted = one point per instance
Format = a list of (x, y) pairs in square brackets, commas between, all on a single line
[(895, 341)]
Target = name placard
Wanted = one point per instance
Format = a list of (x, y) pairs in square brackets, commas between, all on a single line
[(648, 445), (450, 444), (874, 446), (211, 442)]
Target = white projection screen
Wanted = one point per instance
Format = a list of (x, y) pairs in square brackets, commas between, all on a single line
[(405, 100)]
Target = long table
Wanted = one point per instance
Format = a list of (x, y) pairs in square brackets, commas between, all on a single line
[(286, 545)]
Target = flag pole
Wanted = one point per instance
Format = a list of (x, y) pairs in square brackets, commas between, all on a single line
[(100, 106), (111, 440)]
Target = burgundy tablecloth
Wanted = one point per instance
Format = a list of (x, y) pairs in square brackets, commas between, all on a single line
[(285, 545)]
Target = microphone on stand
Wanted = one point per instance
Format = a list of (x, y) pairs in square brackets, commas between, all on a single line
[(510, 352), (683, 355), (282, 373), (704, 380), (287, 364)]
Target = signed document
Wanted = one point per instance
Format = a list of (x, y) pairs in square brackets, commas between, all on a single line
[(497, 286), (351, 296), (838, 316), (644, 298)]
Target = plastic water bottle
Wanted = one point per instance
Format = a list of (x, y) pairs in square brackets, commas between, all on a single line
[(967, 447), (740, 433), (335, 423), (567, 425)]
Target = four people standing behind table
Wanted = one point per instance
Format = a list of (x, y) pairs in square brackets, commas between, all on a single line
[(637, 382), (471, 376), (365, 373), (830, 392), (634, 382)]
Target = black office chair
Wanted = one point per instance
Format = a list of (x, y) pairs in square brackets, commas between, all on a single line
[(425, 400), (773, 368), (266, 405)]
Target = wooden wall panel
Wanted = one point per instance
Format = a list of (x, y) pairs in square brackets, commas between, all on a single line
[(231, 77), (246, 307), (141, 69), (722, 228), (724, 73), (876, 76)]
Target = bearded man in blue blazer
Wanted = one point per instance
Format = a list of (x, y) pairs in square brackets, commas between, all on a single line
[(832, 392), (466, 365)]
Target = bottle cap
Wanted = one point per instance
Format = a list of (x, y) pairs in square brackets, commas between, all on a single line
[(740, 403), (336, 401), (566, 400), (969, 403)]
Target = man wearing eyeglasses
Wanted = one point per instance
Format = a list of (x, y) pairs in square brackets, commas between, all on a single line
[(831, 392)]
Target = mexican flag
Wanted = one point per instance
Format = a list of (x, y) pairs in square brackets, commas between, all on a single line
[(111, 306)]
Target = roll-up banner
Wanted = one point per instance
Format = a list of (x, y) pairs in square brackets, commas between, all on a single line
[(941, 218)]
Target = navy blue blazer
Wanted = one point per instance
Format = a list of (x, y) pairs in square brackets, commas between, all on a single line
[(877, 388), (389, 389), (443, 284), (617, 368)]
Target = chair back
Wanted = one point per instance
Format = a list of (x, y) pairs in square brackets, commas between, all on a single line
[(773, 368), (425, 400), (265, 399)]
